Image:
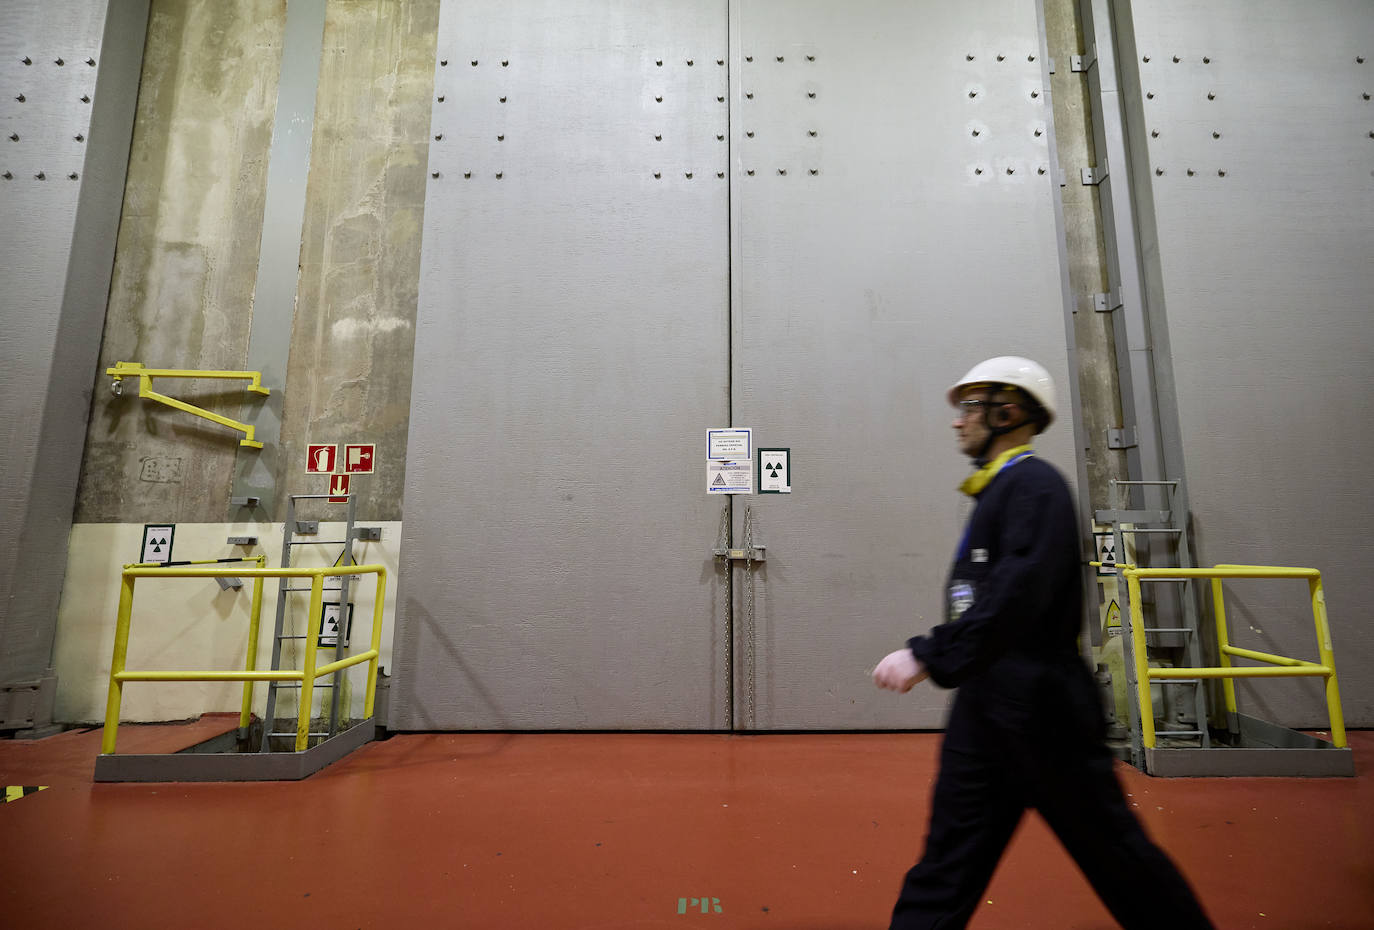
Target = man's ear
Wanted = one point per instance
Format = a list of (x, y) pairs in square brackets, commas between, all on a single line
[(999, 416)]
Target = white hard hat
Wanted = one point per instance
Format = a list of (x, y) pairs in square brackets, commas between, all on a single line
[(1013, 371)]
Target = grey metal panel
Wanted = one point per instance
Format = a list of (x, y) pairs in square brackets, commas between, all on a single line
[(570, 354), (1261, 278), (57, 236), (863, 291), (274, 297)]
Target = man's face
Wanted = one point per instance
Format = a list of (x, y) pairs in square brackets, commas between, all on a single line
[(970, 420)]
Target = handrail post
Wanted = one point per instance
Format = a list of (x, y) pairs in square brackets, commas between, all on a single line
[(254, 619), (117, 661), (312, 637), (1228, 685), (369, 696), (1142, 665), (1328, 657)]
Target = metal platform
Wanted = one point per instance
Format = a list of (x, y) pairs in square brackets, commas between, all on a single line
[(1261, 749), (232, 756)]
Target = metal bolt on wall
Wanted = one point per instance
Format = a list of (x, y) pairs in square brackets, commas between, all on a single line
[(44, 111), (1185, 119), (783, 113), (1005, 136)]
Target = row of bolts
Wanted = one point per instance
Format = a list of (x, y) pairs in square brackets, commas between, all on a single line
[(42, 175), (85, 98)]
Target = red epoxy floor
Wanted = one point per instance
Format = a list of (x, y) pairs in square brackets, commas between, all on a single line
[(500, 831)]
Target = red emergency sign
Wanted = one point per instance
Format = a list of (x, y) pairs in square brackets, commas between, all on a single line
[(338, 484), (359, 457), (320, 459)]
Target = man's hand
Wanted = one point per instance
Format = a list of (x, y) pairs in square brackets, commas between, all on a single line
[(899, 672)]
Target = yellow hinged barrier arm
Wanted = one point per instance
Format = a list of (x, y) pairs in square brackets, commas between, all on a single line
[(1276, 667), (145, 376)]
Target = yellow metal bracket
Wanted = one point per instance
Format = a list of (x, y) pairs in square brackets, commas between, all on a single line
[(145, 376)]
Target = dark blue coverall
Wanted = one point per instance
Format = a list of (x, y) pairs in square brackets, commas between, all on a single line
[(1027, 728)]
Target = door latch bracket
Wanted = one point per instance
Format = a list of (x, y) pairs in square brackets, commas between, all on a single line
[(751, 554)]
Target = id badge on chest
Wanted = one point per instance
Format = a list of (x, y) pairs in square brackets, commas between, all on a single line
[(960, 598)]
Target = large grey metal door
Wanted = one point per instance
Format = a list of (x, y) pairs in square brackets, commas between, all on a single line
[(894, 222), (570, 353), (776, 214)]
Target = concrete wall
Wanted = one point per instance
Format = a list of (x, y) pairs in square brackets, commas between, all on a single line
[(353, 337), (183, 297), (188, 251), (192, 623), (185, 260)]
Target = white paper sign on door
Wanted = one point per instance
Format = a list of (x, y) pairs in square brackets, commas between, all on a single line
[(729, 460), (730, 477)]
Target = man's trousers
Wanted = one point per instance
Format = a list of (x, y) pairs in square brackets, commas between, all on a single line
[(1027, 733)]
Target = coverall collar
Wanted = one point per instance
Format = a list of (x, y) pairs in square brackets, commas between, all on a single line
[(975, 483)]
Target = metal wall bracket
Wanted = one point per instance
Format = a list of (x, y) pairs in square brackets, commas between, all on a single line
[(1123, 438), (145, 376), (1106, 303), (1085, 61), (248, 501), (243, 540), (1095, 175), (368, 533), (752, 554)]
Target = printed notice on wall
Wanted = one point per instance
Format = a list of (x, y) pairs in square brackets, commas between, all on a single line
[(732, 445), (729, 461), (775, 471), (729, 477)]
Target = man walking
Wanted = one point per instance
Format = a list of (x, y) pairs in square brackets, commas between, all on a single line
[(1026, 727)]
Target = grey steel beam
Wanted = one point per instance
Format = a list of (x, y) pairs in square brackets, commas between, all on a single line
[(1075, 421), (1136, 362), (274, 298)]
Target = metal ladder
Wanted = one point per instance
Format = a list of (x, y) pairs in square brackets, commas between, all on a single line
[(286, 589), (1146, 527)]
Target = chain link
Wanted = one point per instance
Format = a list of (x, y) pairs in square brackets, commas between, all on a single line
[(749, 721), (723, 543)]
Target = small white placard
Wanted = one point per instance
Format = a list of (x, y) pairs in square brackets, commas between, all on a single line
[(730, 477), (329, 625), (775, 475), (157, 543), (1106, 553), (730, 444)]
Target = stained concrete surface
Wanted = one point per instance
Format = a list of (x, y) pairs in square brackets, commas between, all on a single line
[(187, 254), (353, 339), (1086, 251), (185, 260)]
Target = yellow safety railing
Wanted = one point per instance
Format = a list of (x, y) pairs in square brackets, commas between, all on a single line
[(145, 376), (306, 676), (1278, 666)]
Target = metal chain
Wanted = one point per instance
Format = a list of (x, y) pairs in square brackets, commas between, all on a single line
[(749, 618), (723, 543)]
